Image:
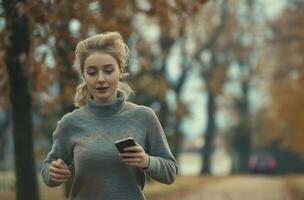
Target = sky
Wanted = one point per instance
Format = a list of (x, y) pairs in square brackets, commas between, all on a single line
[(273, 8)]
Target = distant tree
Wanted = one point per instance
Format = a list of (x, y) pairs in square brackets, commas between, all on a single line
[(227, 43), (173, 20), (286, 74), (244, 55), (213, 72)]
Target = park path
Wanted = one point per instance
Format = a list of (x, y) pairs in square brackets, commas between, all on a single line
[(244, 188)]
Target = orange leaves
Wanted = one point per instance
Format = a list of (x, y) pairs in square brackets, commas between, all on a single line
[(286, 86), (68, 91), (218, 79), (167, 11), (40, 78), (4, 82), (37, 11), (155, 85)]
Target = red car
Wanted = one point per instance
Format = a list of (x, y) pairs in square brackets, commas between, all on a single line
[(262, 163)]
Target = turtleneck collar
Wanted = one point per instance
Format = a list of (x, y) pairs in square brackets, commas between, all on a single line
[(105, 110)]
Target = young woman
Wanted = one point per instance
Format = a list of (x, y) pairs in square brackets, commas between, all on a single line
[(86, 136)]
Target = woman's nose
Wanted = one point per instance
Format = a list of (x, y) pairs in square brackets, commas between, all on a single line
[(100, 77)]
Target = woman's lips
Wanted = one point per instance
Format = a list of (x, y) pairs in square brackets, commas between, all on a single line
[(101, 89)]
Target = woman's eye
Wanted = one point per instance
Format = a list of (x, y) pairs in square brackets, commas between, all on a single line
[(109, 71), (91, 73)]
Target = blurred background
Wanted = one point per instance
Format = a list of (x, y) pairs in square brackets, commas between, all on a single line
[(224, 76)]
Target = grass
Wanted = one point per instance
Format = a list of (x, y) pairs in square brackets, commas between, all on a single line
[(296, 186)]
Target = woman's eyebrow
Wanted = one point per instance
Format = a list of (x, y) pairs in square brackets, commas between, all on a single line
[(108, 65), (91, 67), (95, 67)]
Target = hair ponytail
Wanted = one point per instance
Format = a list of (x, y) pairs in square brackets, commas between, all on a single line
[(81, 94), (125, 88)]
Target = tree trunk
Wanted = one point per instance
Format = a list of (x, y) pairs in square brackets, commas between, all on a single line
[(20, 96), (242, 141), (209, 135)]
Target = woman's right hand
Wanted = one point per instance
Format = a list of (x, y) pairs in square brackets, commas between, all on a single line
[(58, 171)]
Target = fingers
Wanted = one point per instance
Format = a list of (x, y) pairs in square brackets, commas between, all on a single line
[(59, 180), (61, 162), (136, 162), (136, 148), (58, 171), (133, 152), (135, 156), (58, 177), (132, 155), (131, 160)]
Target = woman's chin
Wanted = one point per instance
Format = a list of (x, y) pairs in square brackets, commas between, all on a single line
[(103, 98)]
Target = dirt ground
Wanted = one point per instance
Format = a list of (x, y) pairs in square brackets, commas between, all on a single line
[(202, 188), (244, 188)]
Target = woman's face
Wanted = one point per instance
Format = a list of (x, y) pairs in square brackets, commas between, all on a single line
[(101, 73)]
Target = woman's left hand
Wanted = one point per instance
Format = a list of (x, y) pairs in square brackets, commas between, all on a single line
[(135, 156)]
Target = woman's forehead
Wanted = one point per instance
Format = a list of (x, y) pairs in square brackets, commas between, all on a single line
[(100, 59)]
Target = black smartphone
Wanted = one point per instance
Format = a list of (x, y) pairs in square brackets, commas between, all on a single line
[(123, 143)]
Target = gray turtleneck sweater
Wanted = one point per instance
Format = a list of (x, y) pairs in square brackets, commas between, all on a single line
[(86, 137)]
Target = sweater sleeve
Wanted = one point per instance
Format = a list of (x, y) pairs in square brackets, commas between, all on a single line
[(61, 148), (162, 166)]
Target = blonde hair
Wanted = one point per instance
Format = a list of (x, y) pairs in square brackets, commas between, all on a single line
[(111, 43)]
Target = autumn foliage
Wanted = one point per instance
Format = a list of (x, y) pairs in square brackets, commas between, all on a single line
[(286, 114)]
